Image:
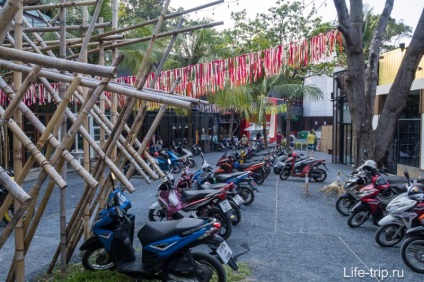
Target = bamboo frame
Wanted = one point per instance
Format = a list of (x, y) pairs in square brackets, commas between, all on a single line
[(59, 5), (7, 14)]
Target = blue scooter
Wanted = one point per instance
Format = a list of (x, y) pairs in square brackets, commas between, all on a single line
[(168, 161), (166, 246)]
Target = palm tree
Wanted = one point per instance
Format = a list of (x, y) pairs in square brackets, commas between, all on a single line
[(285, 86), (236, 99)]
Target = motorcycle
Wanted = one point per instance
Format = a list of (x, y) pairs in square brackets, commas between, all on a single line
[(303, 167), (185, 155), (373, 200), (227, 164), (168, 161), (166, 246), (363, 175), (3, 194), (175, 203), (218, 146), (403, 214), (412, 249), (280, 161)]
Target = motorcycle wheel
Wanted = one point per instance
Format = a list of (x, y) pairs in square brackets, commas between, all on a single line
[(322, 177), (344, 205), (209, 268), (191, 163), (358, 218), (247, 194), (175, 168), (412, 252), (96, 258), (259, 179), (226, 226), (237, 213), (156, 215), (285, 173), (384, 235), (277, 170)]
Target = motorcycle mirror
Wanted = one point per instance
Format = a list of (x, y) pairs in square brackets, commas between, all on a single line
[(119, 212), (405, 172), (169, 161)]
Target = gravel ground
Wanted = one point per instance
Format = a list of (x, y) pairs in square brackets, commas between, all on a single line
[(292, 236)]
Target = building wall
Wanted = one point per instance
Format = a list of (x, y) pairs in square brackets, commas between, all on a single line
[(322, 107)]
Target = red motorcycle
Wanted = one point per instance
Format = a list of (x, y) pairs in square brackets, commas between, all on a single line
[(373, 200), (303, 167), (229, 164)]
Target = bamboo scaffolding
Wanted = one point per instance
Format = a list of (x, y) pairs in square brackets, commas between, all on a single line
[(114, 107), (60, 64), (68, 27), (142, 112), (52, 139), (146, 38), (112, 87), (153, 21), (7, 14), (59, 5)]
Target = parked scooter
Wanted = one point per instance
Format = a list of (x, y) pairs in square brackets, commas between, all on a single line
[(174, 203), (301, 168), (185, 155), (412, 249), (373, 200), (281, 160), (196, 149), (168, 161), (112, 246), (403, 214)]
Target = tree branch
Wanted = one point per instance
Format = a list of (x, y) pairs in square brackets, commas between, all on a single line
[(345, 24)]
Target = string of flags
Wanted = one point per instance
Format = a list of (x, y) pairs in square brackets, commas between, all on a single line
[(201, 79)]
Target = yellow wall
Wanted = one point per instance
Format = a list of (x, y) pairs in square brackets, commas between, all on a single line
[(389, 66)]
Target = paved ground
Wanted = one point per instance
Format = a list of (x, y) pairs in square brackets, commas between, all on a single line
[(292, 237)]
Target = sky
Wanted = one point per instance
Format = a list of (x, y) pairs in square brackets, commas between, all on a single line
[(407, 10)]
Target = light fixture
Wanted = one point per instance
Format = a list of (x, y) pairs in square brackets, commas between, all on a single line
[(402, 46), (173, 126), (179, 127), (186, 126)]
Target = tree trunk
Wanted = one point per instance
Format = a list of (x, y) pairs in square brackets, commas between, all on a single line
[(288, 117), (230, 130)]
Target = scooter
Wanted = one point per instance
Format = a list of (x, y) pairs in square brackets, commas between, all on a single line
[(168, 161), (196, 149), (281, 160), (166, 246), (301, 168), (412, 249), (403, 214), (373, 200), (175, 203), (185, 155)]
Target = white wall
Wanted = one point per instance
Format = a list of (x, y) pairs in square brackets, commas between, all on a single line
[(322, 107)]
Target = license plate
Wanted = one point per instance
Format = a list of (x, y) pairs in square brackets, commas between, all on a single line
[(253, 183), (225, 206), (224, 252), (238, 200)]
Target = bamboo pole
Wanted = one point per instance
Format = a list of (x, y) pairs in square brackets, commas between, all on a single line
[(59, 5), (153, 21), (102, 108), (17, 223), (7, 14), (61, 64), (146, 38), (114, 106), (14, 189), (112, 87), (68, 27)]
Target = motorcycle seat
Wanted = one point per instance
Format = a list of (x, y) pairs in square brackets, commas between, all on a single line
[(155, 231), (226, 176), (212, 186), (244, 166), (398, 189), (304, 162), (189, 196)]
